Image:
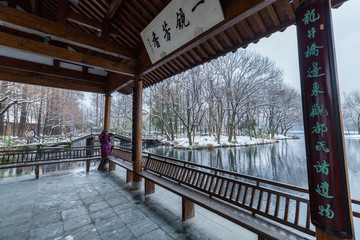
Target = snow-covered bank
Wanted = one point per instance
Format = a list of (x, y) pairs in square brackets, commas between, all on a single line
[(210, 142), (355, 136)]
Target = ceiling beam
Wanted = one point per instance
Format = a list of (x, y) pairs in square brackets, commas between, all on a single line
[(116, 82), (14, 63), (234, 12), (114, 6), (25, 77), (58, 53), (29, 23)]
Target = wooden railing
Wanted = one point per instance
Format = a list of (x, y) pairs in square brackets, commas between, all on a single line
[(282, 203), (48, 154)]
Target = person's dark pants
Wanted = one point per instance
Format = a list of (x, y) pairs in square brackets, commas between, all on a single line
[(102, 162)]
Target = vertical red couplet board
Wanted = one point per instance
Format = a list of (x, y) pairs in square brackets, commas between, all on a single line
[(326, 161)]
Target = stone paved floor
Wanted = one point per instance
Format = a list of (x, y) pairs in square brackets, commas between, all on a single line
[(100, 205)]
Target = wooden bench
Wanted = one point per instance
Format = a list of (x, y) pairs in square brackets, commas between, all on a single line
[(240, 202)]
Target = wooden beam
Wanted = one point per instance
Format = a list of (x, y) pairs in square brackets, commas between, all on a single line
[(50, 70), (234, 12), (114, 6), (27, 45), (115, 82), (49, 81), (29, 23)]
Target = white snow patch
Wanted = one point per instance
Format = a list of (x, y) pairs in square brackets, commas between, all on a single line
[(356, 136), (210, 142)]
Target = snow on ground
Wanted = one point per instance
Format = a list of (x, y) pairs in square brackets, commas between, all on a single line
[(210, 142), (353, 136), (282, 137)]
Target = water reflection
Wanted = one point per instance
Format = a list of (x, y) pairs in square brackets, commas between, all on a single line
[(284, 161)]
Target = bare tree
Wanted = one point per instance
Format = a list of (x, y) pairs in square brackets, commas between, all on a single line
[(244, 74), (352, 108)]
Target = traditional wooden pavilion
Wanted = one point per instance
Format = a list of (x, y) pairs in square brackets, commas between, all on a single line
[(105, 35)]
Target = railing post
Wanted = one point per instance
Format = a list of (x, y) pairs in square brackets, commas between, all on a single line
[(87, 165), (149, 187), (188, 209), (37, 171)]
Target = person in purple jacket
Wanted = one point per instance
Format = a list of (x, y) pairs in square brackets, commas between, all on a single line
[(104, 139)]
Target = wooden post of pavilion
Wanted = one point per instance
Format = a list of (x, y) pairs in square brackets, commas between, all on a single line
[(330, 202), (137, 134), (107, 112)]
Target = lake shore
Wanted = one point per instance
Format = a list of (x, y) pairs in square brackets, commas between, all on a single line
[(209, 142)]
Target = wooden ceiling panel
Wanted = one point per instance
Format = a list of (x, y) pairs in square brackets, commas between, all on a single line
[(245, 22)]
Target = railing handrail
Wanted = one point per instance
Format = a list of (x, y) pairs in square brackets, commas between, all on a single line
[(252, 178), (47, 149), (262, 180)]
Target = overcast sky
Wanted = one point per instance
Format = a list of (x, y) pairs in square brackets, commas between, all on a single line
[(282, 48)]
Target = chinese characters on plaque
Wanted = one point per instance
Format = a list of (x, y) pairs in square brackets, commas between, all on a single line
[(179, 22), (323, 128)]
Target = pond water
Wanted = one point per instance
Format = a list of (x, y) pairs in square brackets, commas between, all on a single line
[(284, 161)]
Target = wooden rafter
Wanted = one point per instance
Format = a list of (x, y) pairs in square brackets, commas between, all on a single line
[(113, 8), (31, 46), (32, 24), (234, 11)]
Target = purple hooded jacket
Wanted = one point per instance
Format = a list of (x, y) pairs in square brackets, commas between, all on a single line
[(105, 145)]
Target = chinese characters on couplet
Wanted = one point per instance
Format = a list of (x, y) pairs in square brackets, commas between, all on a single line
[(197, 4), (318, 110), (181, 22), (167, 35)]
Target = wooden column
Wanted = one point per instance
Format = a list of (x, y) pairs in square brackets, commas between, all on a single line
[(137, 134), (112, 166), (107, 112)]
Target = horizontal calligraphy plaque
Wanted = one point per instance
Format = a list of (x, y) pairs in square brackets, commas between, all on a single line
[(179, 22), (326, 161)]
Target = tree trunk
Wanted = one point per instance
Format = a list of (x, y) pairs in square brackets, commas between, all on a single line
[(47, 112), (38, 130), (3, 90), (189, 137), (15, 120)]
